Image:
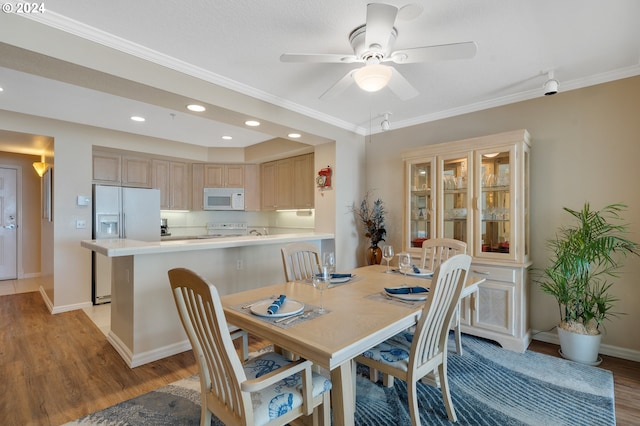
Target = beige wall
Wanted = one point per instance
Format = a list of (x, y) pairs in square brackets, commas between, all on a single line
[(29, 225), (585, 147)]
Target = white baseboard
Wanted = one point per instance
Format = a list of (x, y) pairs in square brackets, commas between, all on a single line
[(146, 357), (58, 309), (615, 351)]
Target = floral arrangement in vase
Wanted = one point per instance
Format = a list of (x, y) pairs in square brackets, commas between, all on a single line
[(372, 217)]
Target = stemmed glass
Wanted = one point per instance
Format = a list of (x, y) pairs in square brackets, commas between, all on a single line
[(387, 254), (404, 263), (321, 281), (329, 260)]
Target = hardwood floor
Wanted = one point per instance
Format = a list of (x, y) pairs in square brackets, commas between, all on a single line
[(56, 368)]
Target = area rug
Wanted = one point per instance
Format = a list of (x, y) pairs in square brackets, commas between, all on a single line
[(489, 386)]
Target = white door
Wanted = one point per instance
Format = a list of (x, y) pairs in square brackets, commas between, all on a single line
[(8, 225)]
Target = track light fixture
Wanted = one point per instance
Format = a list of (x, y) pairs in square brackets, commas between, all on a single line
[(551, 85), (384, 124)]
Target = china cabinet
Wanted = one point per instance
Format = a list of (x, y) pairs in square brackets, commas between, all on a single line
[(477, 191)]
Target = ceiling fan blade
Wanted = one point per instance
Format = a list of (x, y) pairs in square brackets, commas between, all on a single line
[(380, 20), (443, 52), (400, 86), (339, 87), (318, 58)]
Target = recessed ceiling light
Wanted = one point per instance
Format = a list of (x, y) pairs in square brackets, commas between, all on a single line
[(294, 135), (1, 89), (196, 108), (227, 138), (252, 123), (137, 118)]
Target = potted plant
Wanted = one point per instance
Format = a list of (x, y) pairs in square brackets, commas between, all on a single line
[(372, 217), (585, 257)]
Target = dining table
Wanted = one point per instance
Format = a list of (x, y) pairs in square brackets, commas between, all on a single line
[(358, 314)]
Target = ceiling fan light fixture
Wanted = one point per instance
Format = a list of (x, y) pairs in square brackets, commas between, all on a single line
[(372, 78)]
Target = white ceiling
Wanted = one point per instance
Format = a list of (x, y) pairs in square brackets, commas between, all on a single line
[(237, 44)]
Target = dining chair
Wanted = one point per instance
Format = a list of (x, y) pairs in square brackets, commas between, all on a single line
[(434, 252), (266, 390), (410, 356), (300, 260)]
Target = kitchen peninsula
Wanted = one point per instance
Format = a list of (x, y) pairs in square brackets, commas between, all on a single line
[(144, 322)]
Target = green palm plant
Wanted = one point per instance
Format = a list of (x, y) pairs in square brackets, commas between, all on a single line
[(585, 257)]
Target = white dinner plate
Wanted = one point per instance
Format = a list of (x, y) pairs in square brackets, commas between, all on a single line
[(340, 280), (423, 273), (412, 297), (289, 307)]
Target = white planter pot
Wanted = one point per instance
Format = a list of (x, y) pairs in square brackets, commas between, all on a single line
[(581, 348)]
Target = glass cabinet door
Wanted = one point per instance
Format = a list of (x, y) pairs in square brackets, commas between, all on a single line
[(420, 208), (454, 206), (495, 203)]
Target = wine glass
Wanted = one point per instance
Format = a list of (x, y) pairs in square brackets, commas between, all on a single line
[(387, 254), (329, 260), (404, 263), (321, 281)]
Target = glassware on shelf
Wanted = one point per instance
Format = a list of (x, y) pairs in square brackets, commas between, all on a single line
[(387, 254)]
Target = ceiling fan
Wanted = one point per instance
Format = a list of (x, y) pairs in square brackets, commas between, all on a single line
[(372, 44)]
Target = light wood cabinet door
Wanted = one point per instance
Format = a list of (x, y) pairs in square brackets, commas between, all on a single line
[(172, 179), (224, 176), (251, 187), (136, 172), (268, 184), (180, 186), (106, 167), (303, 182), (197, 186), (284, 184), (235, 175)]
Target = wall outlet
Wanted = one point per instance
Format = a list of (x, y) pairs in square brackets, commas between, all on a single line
[(81, 224), (239, 264)]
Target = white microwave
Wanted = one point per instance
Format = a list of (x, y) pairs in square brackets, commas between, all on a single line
[(224, 198)]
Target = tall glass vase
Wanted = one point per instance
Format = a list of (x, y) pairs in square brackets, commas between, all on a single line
[(374, 255)]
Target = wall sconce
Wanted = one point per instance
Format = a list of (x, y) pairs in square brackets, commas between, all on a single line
[(40, 167)]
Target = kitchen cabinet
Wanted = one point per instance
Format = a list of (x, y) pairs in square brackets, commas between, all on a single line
[(172, 179), (224, 175), (288, 183), (477, 191), (106, 167), (277, 184), (251, 187), (115, 168), (303, 181)]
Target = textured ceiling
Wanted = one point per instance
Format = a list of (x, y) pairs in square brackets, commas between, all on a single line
[(237, 44)]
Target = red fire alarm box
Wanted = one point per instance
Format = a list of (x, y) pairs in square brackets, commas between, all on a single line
[(324, 177)]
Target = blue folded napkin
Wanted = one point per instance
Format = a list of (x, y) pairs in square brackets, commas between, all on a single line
[(273, 308), (406, 290), (415, 269), (340, 275)]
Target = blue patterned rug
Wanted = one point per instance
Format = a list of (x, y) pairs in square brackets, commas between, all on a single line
[(489, 386)]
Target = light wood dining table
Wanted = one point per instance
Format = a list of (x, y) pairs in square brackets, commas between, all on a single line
[(357, 317)]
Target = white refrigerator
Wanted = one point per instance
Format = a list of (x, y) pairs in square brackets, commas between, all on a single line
[(119, 212)]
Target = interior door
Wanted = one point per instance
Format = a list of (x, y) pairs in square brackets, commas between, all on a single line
[(8, 225)]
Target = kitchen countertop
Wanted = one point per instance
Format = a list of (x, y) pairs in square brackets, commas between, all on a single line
[(125, 247)]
